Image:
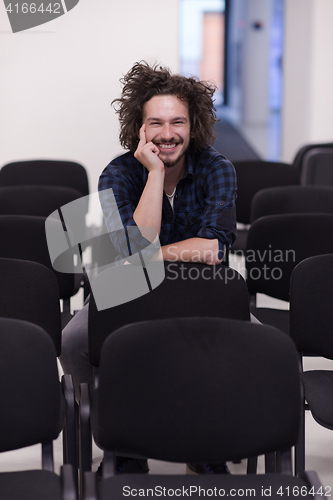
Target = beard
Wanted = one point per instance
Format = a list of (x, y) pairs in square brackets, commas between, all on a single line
[(172, 163)]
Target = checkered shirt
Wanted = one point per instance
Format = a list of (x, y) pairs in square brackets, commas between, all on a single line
[(204, 202)]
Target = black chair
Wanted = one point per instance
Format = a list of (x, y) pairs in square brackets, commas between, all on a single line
[(29, 292), (302, 152), (40, 201), (252, 176), (23, 237), (46, 173), (31, 408), (275, 245), (197, 390), (311, 320), (292, 199), (317, 166), (188, 290), (64, 175), (35, 200), (43, 201)]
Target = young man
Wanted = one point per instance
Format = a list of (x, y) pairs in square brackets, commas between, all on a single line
[(171, 184), (171, 180)]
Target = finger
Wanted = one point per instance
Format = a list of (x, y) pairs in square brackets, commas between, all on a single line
[(155, 149), (142, 135)]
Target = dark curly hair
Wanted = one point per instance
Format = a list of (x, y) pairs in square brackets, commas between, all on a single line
[(143, 82)]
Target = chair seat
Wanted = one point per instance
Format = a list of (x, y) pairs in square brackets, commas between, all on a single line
[(121, 486), (30, 485), (274, 317), (318, 388)]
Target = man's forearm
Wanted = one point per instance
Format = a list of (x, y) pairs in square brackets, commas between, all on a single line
[(148, 213), (193, 250)]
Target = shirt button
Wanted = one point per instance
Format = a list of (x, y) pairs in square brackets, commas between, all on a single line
[(221, 203)]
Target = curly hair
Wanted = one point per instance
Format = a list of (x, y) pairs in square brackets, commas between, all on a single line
[(143, 82)]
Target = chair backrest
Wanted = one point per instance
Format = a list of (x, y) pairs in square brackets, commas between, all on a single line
[(198, 390), (23, 237), (30, 388), (292, 199), (35, 200), (277, 243), (252, 176), (299, 157), (188, 290), (29, 291), (317, 167), (46, 172), (311, 311)]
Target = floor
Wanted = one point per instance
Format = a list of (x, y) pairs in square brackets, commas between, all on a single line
[(319, 441), (263, 139)]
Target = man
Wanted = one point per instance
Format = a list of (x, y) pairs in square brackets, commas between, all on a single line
[(171, 180), (171, 184)]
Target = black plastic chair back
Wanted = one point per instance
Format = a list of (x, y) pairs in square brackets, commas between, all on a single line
[(30, 390), (198, 390), (311, 320), (35, 200), (252, 176), (29, 292), (311, 311), (47, 173), (277, 243), (188, 290), (292, 199), (301, 153), (317, 167), (23, 237)]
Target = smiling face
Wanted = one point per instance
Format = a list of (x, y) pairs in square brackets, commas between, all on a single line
[(168, 126)]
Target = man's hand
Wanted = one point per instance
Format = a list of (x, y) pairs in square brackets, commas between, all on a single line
[(147, 153), (148, 213)]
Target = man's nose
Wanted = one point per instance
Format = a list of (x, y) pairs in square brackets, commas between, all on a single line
[(167, 132)]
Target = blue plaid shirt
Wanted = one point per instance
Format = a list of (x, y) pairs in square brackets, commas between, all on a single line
[(204, 202)]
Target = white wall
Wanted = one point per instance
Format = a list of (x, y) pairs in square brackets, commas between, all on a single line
[(58, 79), (322, 96), (308, 75)]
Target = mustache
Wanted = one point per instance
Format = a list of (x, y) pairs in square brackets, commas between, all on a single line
[(171, 141)]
